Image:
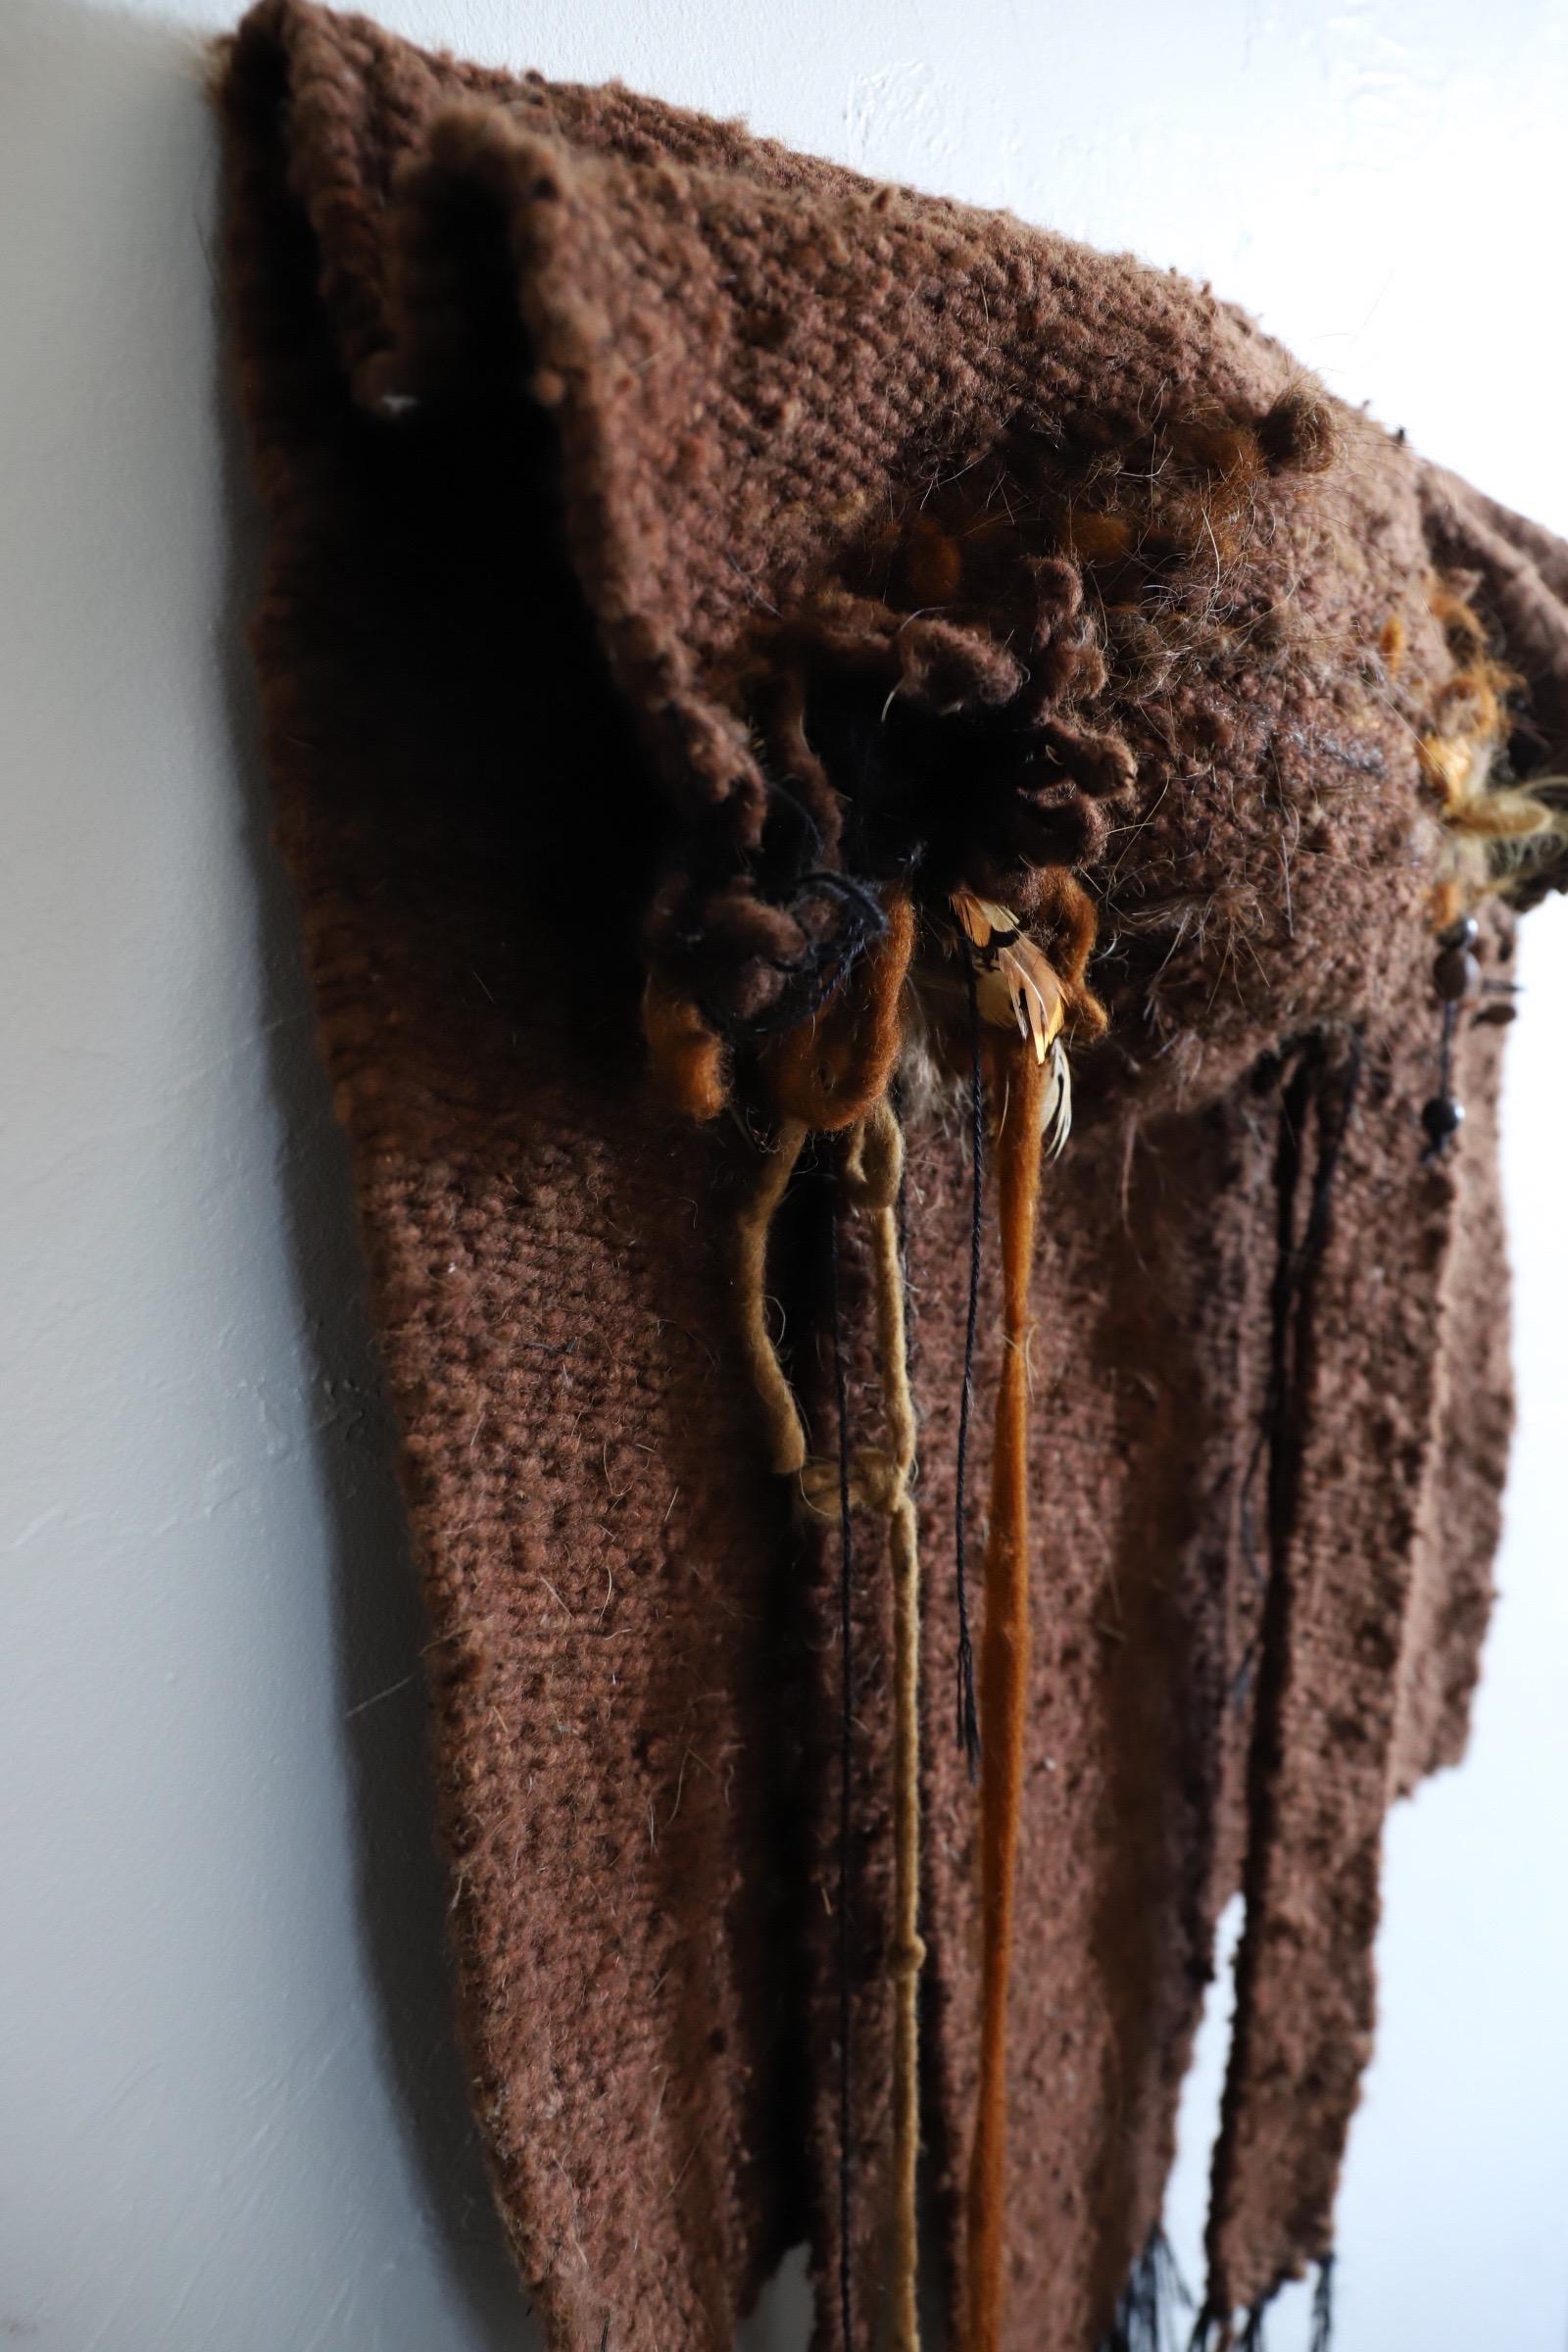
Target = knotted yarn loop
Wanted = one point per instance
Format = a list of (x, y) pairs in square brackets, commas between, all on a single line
[(873, 1164), (876, 1482)]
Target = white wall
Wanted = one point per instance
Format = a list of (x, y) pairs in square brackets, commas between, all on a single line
[(230, 2113)]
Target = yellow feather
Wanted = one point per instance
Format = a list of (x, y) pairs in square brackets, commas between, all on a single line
[(994, 997), (1056, 1105), (1036, 993), (983, 923), (1016, 984)]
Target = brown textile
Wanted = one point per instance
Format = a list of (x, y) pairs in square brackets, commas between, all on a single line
[(1004, 1693), (676, 548)]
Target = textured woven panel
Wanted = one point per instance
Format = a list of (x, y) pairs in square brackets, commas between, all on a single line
[(671, 537)]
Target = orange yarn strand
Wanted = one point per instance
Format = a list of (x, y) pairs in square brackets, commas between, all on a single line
[(831, 1069), (1004, 1693)]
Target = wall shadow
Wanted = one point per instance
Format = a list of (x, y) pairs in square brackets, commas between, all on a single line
[(402, 1887)]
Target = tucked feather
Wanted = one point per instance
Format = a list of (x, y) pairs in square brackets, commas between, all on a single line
[(1055, 1103), (1016, 983)]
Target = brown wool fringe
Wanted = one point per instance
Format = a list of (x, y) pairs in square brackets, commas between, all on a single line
[(1003, 1692), (874, 1175)]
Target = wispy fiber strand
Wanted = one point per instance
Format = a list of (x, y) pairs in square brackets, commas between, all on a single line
[(875, 1176), (1146, 2318), (1215, 2334)]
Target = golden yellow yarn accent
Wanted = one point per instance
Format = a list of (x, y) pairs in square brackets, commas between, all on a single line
[(786, 1434), (873, 1175)]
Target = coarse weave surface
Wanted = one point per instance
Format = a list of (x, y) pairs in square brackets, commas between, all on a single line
[(632, 487)]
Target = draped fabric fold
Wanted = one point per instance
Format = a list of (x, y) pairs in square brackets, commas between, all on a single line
[(693, 572)]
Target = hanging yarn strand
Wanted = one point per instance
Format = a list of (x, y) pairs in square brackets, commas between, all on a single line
[(786, 1433), (968, 1713), (841, 1388), (835, 1079), (874, 1174), (1003, 1690)]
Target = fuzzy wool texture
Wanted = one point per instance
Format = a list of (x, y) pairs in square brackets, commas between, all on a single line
[(613, 464)]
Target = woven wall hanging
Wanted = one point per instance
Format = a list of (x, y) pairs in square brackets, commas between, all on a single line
[(786, 696)]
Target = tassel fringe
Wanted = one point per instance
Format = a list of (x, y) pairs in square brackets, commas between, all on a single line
[(837, 1078)]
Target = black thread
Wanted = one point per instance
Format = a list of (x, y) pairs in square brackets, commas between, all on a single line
[(1304, 1264), (1437, 1146), (1253, 2335), (1147, 2318), (900, 1219), (841, 1389), (849, 892), (1287, 1170), (1299, 1269), (1214, 2331), (787, 874), (1211, 2333), (1294, 1267), (968, 1712)]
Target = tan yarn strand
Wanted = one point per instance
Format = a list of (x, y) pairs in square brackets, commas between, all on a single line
[(786, 1435), (874, 1173), (881, 1481)]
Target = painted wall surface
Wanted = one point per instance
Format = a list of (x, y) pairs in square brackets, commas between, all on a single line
[(230, 2109)]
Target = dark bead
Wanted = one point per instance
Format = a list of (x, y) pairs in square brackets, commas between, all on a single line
[(1462, 934), (1442, 1117), (1456, 975)]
